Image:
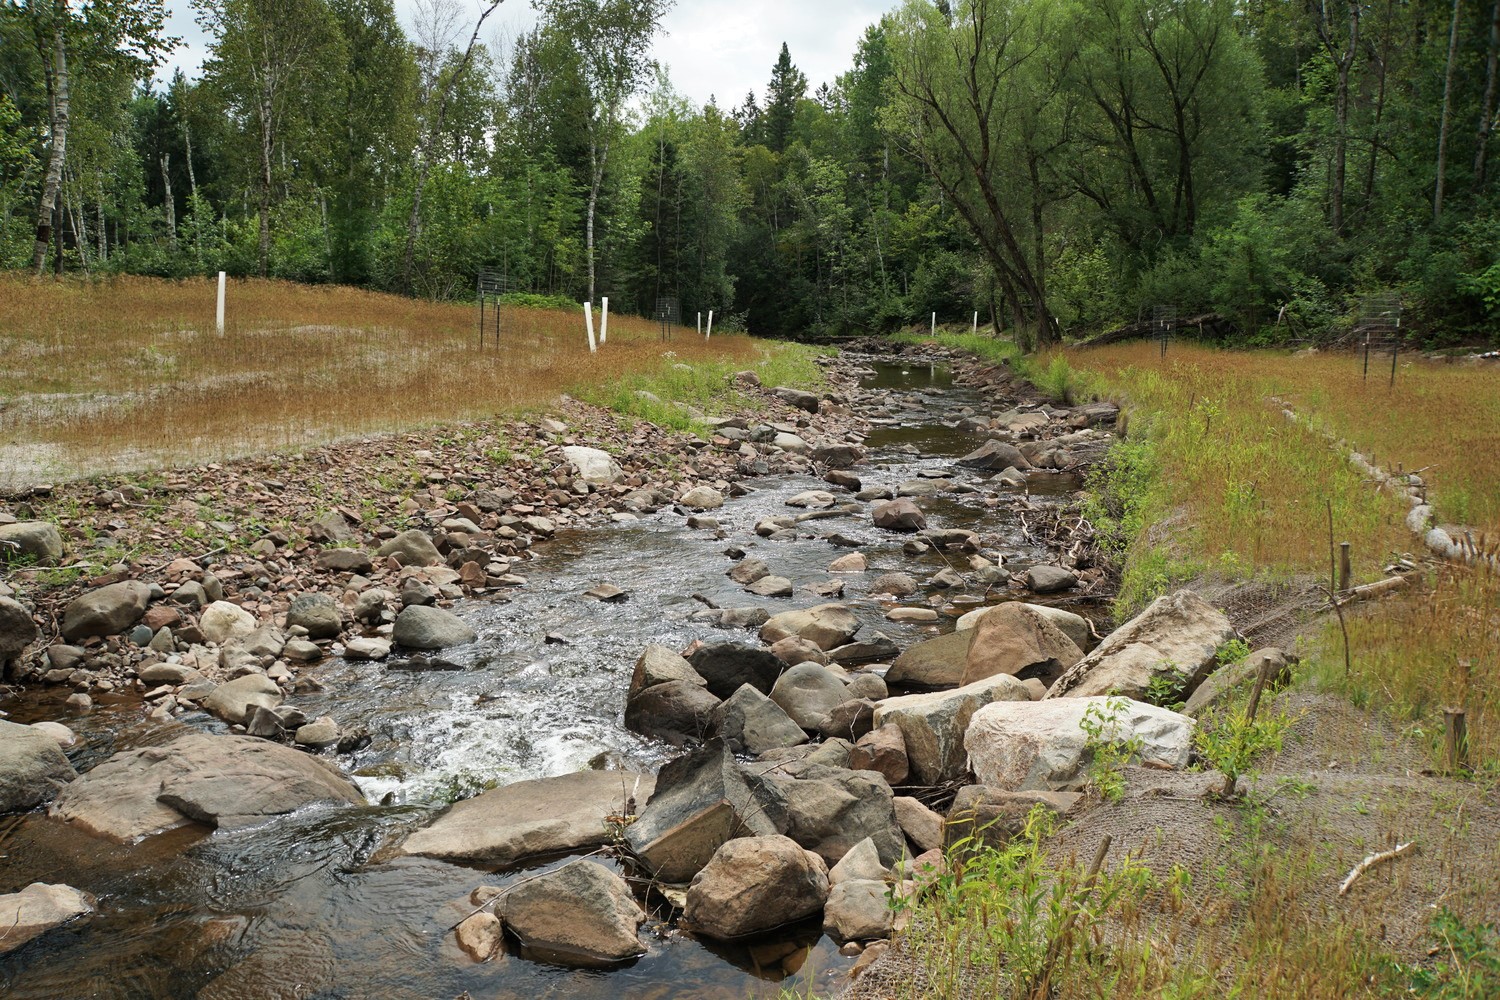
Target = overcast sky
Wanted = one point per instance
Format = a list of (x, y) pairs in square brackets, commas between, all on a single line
[(721, 47)]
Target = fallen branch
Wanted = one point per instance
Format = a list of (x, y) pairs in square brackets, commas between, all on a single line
[(1372, 861)]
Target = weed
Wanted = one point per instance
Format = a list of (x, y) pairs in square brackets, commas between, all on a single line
[(1107, 754)]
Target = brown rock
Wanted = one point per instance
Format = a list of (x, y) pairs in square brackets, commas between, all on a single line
[(882, 750), (1015, 639), (754, 884)]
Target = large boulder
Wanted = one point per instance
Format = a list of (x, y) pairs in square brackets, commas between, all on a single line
[(899, 515), (32, 767), (17, 631), (107, 611), (858, 910), (657, 665), (1075, 627), (423, 627), (37, 909), (702, 498), (594, 466), (317, 613), (700, 801), (582, 914), (1043, 746), (827, 626), (726, 666), (1018, 640), (1177, 638), (933, 663), (755, 884), (1048, 579), (222, 621), (933, 724), (752, 723), (995, 816), (36, 541), (544, 816), (831, 809), (1223, 684), (995, 455), (412, 548), (237, 700), (808, 692), (676, 711), (224, 781), (796, 397)]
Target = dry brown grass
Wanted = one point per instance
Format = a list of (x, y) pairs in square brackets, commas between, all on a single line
[(1442, 420), (129, 373)]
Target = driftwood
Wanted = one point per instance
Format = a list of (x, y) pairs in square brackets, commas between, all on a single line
[(1371, 862)]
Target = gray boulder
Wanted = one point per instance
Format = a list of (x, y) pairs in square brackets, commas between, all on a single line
[(675, 711), (933, 725), (422, 627), (933, 663), (37, 909), (831, 809), (581, 915), (755, 884), (595, 467), (1177, 637), (858, 910), (702, 498), (1075, 627), (827, 626), (1049, 579), (529, 818), (995, 816), (1042, 745), (17, 630), (318, 614), (700, 801), (1223, 684), (237, 700), (657, 665), (222, 621), (753, 723), (899, 515), (995, 455), (32, 767), (223, 781), (796, 397), (345, 561), (809, 693), (412, 548), (725, 666), (107, 611), (36, 541)]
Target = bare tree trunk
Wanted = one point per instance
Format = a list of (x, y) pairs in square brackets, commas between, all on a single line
[(53, 180), (167, 203), (266, 140), (1442, 150), (424, 155), (103, 233), (599, 158), (1343, 62), (1487, 113)]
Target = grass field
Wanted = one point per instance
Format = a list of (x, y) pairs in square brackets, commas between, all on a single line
[(129, 373)]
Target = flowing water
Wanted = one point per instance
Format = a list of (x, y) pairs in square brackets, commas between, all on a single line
[(298, 908)]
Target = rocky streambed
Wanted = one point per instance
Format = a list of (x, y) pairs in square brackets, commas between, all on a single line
[(596, 732)]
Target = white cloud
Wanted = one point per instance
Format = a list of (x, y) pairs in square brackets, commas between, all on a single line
[(721, 47)]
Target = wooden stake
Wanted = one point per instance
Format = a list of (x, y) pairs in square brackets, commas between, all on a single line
[(1231, 780), (1456, 733), (1332, 571), (1345, 567), (1055, 946)]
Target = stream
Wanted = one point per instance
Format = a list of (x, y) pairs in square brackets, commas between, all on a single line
[(303, 907)]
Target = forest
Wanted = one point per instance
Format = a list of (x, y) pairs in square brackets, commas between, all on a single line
[(1055, 166)]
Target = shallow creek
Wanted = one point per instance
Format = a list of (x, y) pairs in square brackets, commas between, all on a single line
[(297, 908)]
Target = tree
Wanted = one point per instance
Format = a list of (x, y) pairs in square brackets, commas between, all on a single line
[(960, 94), (275, 64), (610, 40), (788, 86)]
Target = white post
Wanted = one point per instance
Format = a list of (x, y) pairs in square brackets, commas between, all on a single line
[(588, 318), (220, 314), (934, 324), (700, 321), (710, 332), (604, 323), (976, 321)]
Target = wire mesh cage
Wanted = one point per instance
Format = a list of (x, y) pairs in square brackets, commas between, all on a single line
[(1163, 324), (490, 285), (668, 314), (1377, 327)]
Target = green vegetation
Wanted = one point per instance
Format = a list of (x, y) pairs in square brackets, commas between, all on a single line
[(1270, 162)]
